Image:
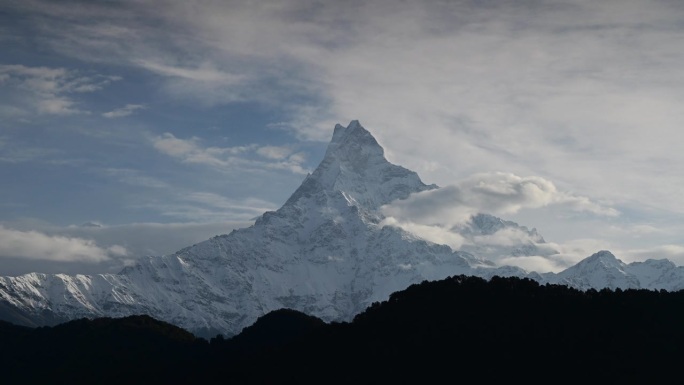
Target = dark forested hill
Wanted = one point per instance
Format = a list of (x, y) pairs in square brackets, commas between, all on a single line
[(460, 329)]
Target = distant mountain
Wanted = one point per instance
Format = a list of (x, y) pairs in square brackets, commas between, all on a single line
[(325, 252), (604, 270)]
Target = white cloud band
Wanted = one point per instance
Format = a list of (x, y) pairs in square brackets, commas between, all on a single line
[(39, 246)]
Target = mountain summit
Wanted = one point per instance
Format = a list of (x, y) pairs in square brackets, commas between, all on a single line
[(604, 270), (325, 252), (355, 166)]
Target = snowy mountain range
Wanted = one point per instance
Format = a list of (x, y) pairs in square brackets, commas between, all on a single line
[(325, 252)]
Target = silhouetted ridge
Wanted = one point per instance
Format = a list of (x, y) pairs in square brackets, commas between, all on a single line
[(279, 327), (141, 326), (459, 329)]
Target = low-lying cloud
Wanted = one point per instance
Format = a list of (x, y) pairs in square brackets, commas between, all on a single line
[(565, 255), (124, 111), (674, 253), (439, 215), (495, 193), (39, 246)]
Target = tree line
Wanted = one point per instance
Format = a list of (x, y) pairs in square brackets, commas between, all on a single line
[(459, 329)]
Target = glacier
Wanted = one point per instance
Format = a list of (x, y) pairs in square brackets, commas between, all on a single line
[(325, 252)]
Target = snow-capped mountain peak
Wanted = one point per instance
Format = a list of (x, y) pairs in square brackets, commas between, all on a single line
[(601, 269), (603, 258), (604, 270), (324, 252), (658, 274), (600, 262), (354, 164)]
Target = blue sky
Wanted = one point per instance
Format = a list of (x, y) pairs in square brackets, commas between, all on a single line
[(162, 123)]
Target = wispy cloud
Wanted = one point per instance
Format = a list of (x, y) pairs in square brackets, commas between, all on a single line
[(202, 83), (249, 205), (583, 93), (124, 111), (274, 152), (559, 89), (12, 153), (673, 252), (203, 73), (205, 207), (135, 177), (230, 158), (47, 90)]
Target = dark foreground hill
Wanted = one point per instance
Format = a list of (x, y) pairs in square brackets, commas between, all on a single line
[(458, 330)]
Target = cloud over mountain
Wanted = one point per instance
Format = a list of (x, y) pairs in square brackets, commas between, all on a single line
[(36, 245), (433, 213)]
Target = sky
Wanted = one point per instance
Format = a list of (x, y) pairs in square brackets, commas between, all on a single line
[(138, 127)]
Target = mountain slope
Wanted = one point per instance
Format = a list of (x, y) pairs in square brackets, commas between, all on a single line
[(604, 270), (323, 252)]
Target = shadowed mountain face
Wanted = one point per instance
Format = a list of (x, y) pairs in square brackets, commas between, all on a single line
[(325, 252)]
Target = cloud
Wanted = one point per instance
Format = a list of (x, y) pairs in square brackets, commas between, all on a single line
[(204, 73), (10, 152), (50, 91), (564, 255), (190, 150), (559, 89), (507, 236), (174, 200), (38, 246), (144, 239), (432, 233), (201, 82), (673, 252), (205, 207), (544, 95), (533, 263), (124, 111), (135, 178), (170, 145), (439, 215), (496, 193), (230, 158), (254, 205), (274, 152), (583, 93)]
